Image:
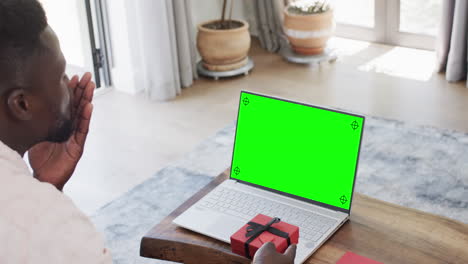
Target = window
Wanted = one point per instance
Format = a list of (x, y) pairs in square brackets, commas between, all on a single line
[(356, 12), (419, 16), (411, 23)]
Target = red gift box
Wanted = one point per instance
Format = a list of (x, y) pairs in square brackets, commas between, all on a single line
[(260, 230)]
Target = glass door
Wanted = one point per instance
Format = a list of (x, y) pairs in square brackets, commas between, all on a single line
[(420, 16), (356, 19), (412, 23)]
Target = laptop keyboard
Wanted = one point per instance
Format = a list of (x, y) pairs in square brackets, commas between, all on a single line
[(240, 204)]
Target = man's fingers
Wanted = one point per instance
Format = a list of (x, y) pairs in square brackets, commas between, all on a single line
[(291, 252), (85, 117), (77, 97), (85, 80), (86, 97), (269, 246), (89, 92), (73, 85), (73, 82), (266, 248), (83, 124), (80, 89)]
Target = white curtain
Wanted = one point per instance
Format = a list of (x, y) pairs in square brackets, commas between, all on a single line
[(452, 42), (268, 15), (167, 55)]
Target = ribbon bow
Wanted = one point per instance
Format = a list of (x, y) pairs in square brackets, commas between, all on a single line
[(255, 229)]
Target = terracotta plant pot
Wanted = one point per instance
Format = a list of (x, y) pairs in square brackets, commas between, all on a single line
[(223, 49), (308, 34)]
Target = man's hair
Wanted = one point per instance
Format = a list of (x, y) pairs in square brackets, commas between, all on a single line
[(21, 24)]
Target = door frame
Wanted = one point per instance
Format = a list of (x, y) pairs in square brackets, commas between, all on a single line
[(96, 15)]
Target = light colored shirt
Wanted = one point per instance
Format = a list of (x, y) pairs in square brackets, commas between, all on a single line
[(39, 224)]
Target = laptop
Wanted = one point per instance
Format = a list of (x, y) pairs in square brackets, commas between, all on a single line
[(290, 160)]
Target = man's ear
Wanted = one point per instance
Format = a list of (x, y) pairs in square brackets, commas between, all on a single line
[(19, 105)]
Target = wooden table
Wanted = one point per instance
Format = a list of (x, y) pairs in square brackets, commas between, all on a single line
[(382, 231)]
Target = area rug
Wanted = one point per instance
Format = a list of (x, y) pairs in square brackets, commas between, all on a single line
[(414, 166)]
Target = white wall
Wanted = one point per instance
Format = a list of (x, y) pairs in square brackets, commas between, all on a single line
[(68, 20)]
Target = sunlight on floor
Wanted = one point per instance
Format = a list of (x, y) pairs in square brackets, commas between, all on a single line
[(408, 63), (402, 62), (348, 47)]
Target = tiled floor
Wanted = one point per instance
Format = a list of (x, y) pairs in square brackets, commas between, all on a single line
[(131, 138)]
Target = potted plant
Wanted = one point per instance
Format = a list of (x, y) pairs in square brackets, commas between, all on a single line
[(224, 43), (308, 24)]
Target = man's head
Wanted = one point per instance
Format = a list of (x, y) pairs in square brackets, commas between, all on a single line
[(35, 101)]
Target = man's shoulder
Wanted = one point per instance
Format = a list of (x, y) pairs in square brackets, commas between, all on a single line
[(24, 200), (43, 223)]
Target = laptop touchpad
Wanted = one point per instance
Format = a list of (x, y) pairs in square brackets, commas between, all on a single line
[(226, 226)]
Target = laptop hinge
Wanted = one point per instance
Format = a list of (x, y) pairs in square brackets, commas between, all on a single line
[(327, 208)]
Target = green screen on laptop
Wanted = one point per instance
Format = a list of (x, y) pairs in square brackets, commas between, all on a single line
[(297, 149)]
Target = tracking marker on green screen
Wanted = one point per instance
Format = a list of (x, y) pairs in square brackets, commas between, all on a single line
[(297, 149)]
